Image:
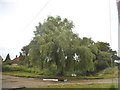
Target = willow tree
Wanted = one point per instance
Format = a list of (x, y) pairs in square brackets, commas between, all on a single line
[(51, 43)]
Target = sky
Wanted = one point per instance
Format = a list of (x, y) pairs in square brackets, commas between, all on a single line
[(96, 19)]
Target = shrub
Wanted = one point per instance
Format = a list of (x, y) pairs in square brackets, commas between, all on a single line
[(7, 68), (101, 65)]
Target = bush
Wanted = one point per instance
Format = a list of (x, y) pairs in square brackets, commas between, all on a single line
[(53, 69), (101, 65), (111, 72), (11, 68), (47, 72), (7, 68)]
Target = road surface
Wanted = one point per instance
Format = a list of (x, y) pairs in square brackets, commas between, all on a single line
[(16, 82)]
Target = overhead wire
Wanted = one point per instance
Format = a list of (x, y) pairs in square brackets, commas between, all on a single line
[(45, 5), (110, 22)]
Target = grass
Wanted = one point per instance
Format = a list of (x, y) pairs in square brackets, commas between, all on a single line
[(23, 71), (109, 73), (36, 73), (8, 68), (85, 86), (22, 74)]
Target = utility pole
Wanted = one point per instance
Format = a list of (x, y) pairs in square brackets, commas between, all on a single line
[(118, 7)]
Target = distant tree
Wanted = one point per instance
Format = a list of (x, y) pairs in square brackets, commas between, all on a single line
[(103, 46), (7, 60), (21, 59), (94, 49), (86, 41), (114, 54), (25, 50), (104, 60), (100, 65), (25, 55), (34, 54), (7, 57), (20, 54)]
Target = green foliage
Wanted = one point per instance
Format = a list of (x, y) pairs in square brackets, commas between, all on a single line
[(24, 58), (87, 41), (36, 72), (108, 72), (25, 50), (56, 50), (87, 86), (104, 56), (85, 60), (51, 43), (21, 59), (22, 74), (53, 69), (103, 46), (104, 60), (94, 49), (7, 68), (100, 65)]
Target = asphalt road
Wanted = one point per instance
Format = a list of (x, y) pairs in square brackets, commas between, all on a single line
[(16, 82)]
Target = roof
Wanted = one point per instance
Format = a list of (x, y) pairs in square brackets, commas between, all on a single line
[(15, 61)]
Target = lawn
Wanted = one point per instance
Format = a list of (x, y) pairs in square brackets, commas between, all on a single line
[(36, 73), (21, 74), (84, 86), (22, 71)]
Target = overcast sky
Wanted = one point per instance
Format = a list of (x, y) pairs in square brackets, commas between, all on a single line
[(91, 18)]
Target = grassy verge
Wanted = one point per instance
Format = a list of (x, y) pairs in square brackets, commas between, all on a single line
[(23, 71), (109, 73), (22, 74), (10, 68), (85, 86), (34, 75)]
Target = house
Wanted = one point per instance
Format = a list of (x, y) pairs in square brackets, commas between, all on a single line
[(15, 61)]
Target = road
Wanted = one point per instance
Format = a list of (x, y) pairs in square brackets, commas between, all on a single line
[(16, 82)]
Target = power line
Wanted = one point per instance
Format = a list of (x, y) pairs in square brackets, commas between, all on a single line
[(110, 22), (45, 5)]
